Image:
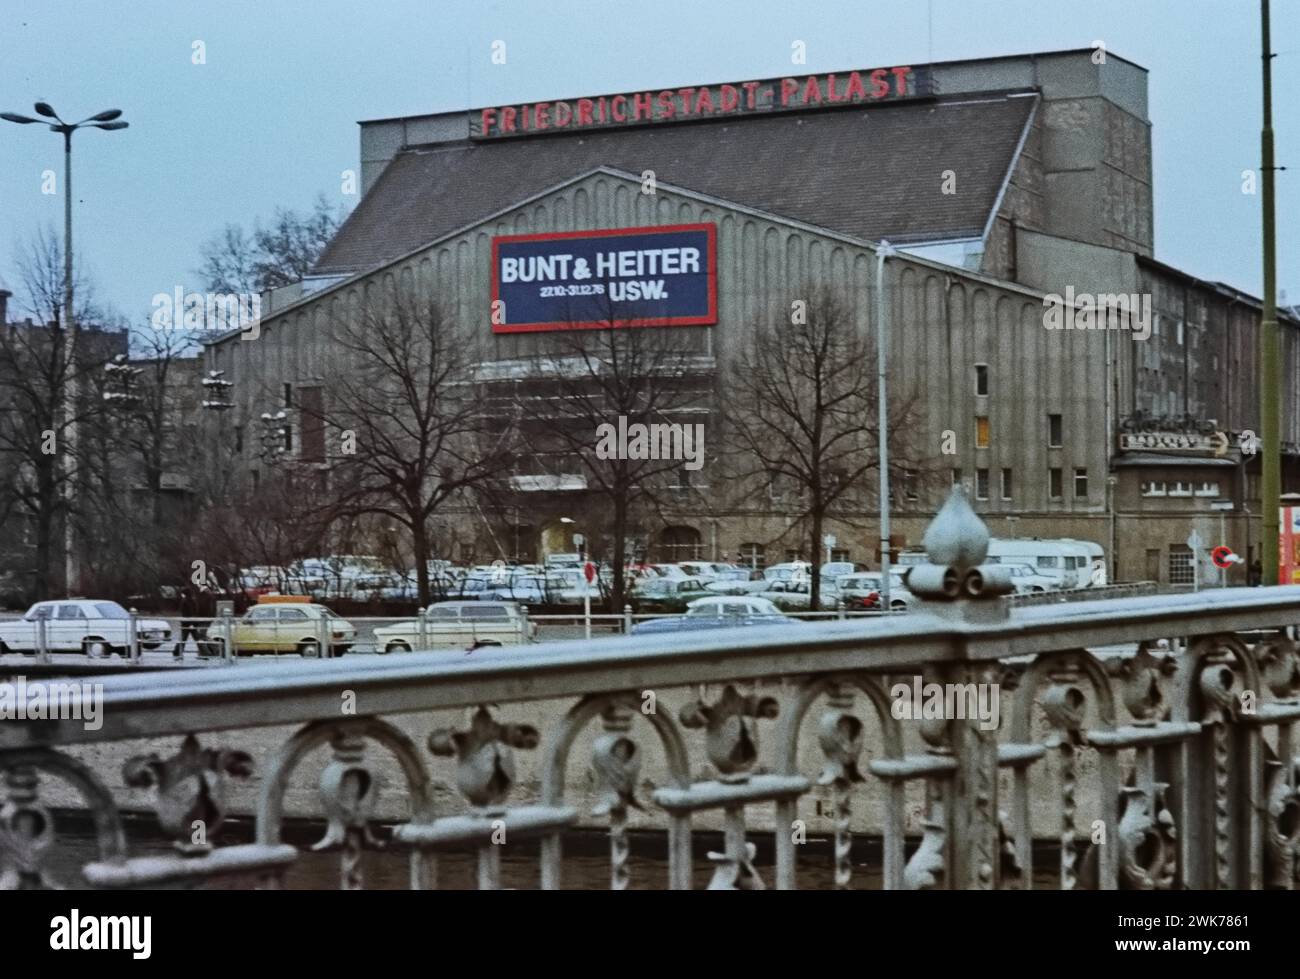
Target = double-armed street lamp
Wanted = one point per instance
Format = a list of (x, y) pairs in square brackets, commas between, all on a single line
[(110, 120), (120, 382)]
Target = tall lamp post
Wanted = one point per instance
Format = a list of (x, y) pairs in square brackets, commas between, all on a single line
[(108, 119), (883, 250), (1269, 353)]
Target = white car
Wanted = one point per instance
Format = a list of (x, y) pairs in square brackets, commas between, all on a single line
[(862, 591), (795, 595), (457, 625), (88, 626), (1025, 580)]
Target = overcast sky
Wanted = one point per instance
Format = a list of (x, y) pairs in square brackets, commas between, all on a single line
[(270, 119)]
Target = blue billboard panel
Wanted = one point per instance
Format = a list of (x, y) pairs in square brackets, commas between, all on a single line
[(583, 280)]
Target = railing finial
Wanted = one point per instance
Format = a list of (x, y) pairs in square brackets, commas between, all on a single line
[(957, 537), (956, 546)]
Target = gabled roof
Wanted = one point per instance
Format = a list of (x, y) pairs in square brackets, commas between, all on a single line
[(869, 173)]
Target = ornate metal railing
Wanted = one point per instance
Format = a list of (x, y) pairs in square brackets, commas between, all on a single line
[(1168, 719)]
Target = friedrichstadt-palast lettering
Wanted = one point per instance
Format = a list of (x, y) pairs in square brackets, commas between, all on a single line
[(862, 87)]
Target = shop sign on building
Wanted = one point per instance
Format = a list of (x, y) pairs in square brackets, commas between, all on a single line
[(657, 276), (1170, 442)]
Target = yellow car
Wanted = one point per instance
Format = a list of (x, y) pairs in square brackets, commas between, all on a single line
[(288, 626)]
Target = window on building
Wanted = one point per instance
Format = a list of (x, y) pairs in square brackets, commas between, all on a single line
[(1054, 440), (753, 556), (981, 484), (792, 554), (1207, 489), (1180, 565), (1081, 484), (1154, 488), (1006, 484), (910, 480), (981, 433), (840, 554), (313, 424), (239, 438), (956, 477), (1180, 333), (1180, 488), (981, 379), (288, 437), (1054, 480), (288, 395)]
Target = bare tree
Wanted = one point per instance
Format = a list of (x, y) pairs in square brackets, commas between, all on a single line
[(238, 261), (148, 430), (591, 378), (45, 382), (405, 419), (801, 414)]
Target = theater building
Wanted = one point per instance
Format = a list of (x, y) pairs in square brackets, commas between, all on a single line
[(1075, 384)]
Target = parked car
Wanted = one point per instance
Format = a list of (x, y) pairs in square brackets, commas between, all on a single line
[(1025, 580), (291, 624), (568, 586), (705, 571), (532, 589), (838, 569), (670, 571), (796, 570), (666, 594), (795, 595), (862, 591), (90, 626), (717, 612), (458, 625)]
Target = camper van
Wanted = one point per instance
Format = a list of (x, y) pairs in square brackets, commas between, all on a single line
[(1067, 561)]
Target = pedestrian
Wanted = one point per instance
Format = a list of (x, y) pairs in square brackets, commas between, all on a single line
[(190, 626)]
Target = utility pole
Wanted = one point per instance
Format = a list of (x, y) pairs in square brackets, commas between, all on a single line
[(1269, 360)]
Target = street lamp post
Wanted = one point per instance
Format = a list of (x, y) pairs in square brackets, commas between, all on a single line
[(883, 251), (108, 119), (217, 391), (1269, 352)]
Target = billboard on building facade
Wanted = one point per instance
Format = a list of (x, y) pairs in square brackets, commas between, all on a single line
[(581, 280)]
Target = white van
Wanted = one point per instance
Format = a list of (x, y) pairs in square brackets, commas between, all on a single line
[(1067, 562)]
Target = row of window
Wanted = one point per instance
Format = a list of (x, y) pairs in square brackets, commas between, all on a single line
[(1179, 488), (1055, 432), (1055, 483)]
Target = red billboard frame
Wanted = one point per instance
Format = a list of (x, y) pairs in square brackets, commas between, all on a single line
[(709, 319)]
